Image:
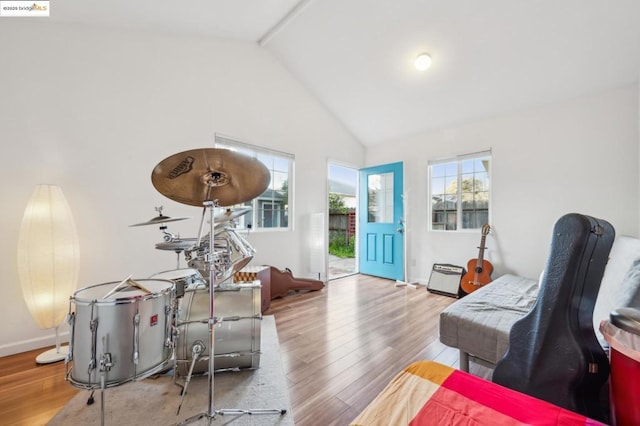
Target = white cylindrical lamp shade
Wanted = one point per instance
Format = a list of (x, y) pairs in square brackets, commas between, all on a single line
[(48, 256)]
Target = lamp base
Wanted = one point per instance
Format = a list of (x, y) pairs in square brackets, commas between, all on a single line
[(53, 355)]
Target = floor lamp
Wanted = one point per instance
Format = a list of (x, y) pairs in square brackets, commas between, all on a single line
[(48, 261)]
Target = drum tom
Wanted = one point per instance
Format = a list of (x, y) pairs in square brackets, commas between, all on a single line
[(125, 335), (236, 334), (240, 251)]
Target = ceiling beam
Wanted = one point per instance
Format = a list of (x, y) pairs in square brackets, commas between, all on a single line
[(295, 10)]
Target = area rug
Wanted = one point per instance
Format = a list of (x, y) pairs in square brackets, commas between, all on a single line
[(155, 400)]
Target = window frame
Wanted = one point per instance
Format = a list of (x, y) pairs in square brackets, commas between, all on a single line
[(459, 211), (257, 215)]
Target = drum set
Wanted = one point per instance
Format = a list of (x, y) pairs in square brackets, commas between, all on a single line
[(128, 330)]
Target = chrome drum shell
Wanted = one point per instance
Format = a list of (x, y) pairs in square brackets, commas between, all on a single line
[(237, 309), (130, 329)]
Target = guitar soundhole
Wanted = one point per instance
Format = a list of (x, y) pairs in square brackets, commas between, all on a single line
[(478, 270)]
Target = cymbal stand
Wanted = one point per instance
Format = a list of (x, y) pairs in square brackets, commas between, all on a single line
[(177, 252), (201, 228), (212, 412)]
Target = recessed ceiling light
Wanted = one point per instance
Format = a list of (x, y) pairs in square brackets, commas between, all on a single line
[(423, 61)]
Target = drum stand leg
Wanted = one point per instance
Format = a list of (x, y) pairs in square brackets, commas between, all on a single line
[(105, 365), (212, 412), (196, 350), (102, 400)]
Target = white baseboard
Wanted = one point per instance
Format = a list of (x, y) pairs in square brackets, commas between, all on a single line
[(31, 344)]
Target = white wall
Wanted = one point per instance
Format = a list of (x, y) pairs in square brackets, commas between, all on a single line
[(577, 156), (95, 110)]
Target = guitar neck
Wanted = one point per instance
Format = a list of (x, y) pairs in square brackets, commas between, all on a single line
[(481, 252)]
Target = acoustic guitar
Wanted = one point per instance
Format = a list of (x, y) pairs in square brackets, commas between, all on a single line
[(478, 270)]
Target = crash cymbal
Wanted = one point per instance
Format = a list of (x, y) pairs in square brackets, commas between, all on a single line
[(159, 220), (177, 245), (208, 174), (229, 214)]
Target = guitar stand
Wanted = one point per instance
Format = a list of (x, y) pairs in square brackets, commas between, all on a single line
[(212, 412)]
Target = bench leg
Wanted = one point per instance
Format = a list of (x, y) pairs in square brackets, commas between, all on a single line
[(464, 361)]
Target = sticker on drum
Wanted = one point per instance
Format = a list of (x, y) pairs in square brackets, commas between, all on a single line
[(236, 336), (125, 332), (185, 279)]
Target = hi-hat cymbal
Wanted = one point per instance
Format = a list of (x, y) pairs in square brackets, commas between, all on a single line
[(160, 219), (208, 174), (177, 245)]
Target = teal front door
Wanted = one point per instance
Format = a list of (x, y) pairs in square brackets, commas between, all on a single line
[(381, 234)]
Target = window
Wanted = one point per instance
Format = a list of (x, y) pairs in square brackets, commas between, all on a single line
[(271, 209), (459, 189)]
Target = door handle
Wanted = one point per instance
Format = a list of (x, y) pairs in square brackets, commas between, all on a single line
[(400, 230)]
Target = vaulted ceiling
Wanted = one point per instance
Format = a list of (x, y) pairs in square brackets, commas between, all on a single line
[(490, 57)]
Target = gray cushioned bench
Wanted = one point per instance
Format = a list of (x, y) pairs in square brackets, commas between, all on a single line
[(479, 324)]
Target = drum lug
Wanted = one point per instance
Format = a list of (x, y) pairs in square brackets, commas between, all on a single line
[(167, 328), (93, 325), (136, 337), (71, 319), (233, 318)]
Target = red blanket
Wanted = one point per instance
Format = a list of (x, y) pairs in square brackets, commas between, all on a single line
[(428, 393)]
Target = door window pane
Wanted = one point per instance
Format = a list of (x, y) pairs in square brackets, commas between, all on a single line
[(380, 198)]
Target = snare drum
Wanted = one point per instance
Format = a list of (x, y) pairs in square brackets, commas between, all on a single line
[(236, 335), (185, 279), (126, 334)]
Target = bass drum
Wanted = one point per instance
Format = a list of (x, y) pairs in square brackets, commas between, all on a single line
[(236, 335), (129, 329)]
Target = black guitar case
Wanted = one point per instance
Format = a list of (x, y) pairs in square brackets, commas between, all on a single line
[(553, 351)]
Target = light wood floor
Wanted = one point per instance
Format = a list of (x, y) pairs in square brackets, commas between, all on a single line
[(340, 347)]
